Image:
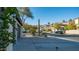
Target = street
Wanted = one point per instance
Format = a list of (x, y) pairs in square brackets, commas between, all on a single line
[(45, 44)]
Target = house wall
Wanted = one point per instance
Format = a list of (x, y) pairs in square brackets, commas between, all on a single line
[(10, 47), (76, 21), (16, 30)]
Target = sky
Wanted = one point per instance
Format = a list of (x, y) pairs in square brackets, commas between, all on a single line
[(52, 14)]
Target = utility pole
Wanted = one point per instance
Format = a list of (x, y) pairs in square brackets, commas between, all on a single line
[(38, 27)]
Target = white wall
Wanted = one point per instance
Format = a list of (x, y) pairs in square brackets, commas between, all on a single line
[(76, 21), (10, 47), (72, 32), (10, 28), (16, 29)]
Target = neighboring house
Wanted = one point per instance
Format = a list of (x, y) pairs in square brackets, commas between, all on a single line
[(74, 31), (76, 20), (53, 29), (47, 28), (16, 30), (63, 25)]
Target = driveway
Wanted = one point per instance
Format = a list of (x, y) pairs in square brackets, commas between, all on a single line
[(45, 44)]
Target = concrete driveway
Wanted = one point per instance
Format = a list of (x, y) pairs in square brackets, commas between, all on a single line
[(45, 44)]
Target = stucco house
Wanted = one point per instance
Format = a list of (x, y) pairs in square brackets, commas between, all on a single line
[(76, 20), (47, 28)]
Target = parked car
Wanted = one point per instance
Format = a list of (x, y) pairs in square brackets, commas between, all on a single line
[(60, 32)]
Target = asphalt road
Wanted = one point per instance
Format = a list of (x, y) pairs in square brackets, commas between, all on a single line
[(45, 44)]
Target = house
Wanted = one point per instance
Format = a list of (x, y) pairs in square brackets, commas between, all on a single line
[(47, 28), (76, 20), (63, 24), (16, 29)]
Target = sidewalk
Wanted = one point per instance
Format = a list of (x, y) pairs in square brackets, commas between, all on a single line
[(75, 39), (64, 35), (24, 45), (69, 37)]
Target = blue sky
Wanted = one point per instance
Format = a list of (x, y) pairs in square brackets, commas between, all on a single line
[(52, 14)]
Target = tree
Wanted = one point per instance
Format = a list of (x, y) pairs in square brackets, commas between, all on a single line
[(32, 29), (6, 37), (63, 21), (71, 26), (66, 27), (48, 23), (24, 13), (26, 26), (57, 26), (70, 20)]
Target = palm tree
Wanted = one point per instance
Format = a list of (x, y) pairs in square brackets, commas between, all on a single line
[(48, 23), (63, 21)]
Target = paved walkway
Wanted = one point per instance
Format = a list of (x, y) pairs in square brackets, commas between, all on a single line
[(45, 44), (24, 44)]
